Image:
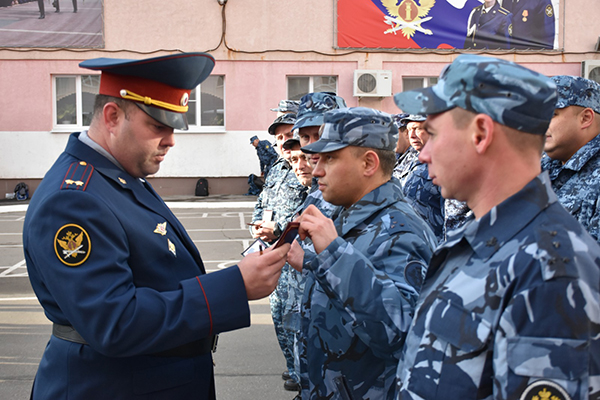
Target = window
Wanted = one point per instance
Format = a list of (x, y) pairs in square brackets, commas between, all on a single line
[(74, 103), (298, 86), (418, 82)]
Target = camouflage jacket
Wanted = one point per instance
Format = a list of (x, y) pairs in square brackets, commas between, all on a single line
[(405, 164), (266, 155), (359, 298), (425, 197), (509, 308), (577, 184), (282, 193)]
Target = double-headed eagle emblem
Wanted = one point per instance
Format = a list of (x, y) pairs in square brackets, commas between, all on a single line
[(407, 16)]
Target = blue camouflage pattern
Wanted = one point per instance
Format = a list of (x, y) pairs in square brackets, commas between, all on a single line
[(283, 119), (285, 106), (456, 214), (355, 126), (577, 91), (405, 164), (314, 105), (510, 303), (359, 298), (425, 197), (532, 23), (510, 94), (266, 155), (577, 184), (399, 120), (488, 29)]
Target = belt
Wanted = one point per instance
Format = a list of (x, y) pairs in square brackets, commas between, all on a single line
[(192, 349)]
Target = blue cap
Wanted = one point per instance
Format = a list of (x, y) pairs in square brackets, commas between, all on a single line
[(577, 91), (314, 105), (413, 118), (287, 106), (510, 94), (355, 126), (253, 138), (293, 141), (398, 120), (283, 119), (160, 86)]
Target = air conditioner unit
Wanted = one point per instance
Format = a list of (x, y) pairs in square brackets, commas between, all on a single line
[(590, 69), (372, 83)]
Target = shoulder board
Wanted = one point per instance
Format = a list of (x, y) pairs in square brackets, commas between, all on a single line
[(78, 176), (503, 10)]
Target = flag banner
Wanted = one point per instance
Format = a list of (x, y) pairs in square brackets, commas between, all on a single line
[(447, 24)]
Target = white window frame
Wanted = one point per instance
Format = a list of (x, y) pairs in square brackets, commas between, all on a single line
[(78, 126), (311, 82), (426, 81), (198, 106)]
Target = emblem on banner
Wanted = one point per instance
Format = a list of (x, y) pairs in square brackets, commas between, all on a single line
[(407, 16)]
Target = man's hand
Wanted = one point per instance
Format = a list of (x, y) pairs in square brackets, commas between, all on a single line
[(261, 272), (296, 256), (317, 227), (265, 231)]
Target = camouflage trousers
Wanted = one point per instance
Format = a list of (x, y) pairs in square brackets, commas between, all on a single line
[(277, 300)]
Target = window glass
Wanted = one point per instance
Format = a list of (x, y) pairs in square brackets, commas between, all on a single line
[(66, 101)]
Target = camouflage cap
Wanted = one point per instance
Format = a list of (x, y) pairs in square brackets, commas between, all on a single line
[(413, 118), (253, 138), (314, 105), (510, 94), (287, 106), (399, 120), (283, 119), (293, 141), (356, 126), (577, 91)]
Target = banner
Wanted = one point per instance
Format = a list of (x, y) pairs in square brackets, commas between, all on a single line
[(447, 24)]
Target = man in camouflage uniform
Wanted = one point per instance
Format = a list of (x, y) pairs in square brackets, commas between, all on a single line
[(282, 194), (573, 150), (405, 154), (510, 305), (370, 260), (417, 186), (266, 154)]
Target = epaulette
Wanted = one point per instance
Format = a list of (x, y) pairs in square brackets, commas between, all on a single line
[(503, 10), (78, 176)]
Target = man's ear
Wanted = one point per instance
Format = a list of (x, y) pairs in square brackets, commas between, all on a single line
[(482, 132), (112, 115), (586, 118), (370, 162)]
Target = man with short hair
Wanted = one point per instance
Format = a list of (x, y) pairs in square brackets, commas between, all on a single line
[(370, 260), (573, 150), (133, 311), (510, 305)]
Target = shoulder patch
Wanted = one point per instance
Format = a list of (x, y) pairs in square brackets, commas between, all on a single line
[(72, 245), (544, 389), (78, 176)]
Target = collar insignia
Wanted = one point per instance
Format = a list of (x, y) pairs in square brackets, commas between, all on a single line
[(161, 229), (172, 248), (123, 181)]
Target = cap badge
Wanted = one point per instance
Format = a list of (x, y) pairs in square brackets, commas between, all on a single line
[(185, 99), (72, 245), (161, 229)]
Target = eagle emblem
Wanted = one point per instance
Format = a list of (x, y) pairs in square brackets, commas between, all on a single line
[(72, 245), (407, 16)]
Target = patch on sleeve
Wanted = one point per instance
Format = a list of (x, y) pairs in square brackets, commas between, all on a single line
[(544, 390), (78, 176), (72, 245)]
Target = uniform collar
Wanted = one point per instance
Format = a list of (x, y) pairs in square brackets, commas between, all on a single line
[(370, 204), (489, 233), (583, 155)]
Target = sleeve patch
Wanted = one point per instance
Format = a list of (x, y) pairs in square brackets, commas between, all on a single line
[(72, 245), (78, 176), (544, 389)]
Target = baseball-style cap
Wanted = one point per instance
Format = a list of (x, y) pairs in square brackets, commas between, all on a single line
[(399, 119), (253, 138), (293, 141), (509, 93), (160, 86), (283, 119), (355, 126), (413, 118), (314, 105), (577, 91), (286, 106)]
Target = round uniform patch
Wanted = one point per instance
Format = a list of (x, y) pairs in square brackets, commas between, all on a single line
[(413, 273), (72, 245), (544, 390)]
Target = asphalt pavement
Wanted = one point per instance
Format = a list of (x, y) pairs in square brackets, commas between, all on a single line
[(248, 362)]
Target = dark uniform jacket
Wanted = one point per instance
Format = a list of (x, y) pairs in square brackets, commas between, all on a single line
[(106, 256), (488, 30)]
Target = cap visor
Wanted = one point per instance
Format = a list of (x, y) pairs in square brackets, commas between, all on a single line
[(290, 143), (422, 102), (309, 120), (170, 118), (323, 146)]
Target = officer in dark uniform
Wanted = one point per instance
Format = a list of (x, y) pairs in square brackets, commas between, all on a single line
[(532, 23), (133, 311), (488, 27)]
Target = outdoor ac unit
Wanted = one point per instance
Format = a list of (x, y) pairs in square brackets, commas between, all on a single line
[(372, 83), (590, 69)]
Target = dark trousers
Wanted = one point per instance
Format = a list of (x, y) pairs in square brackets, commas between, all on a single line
[(41, 7), (56, 4)]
